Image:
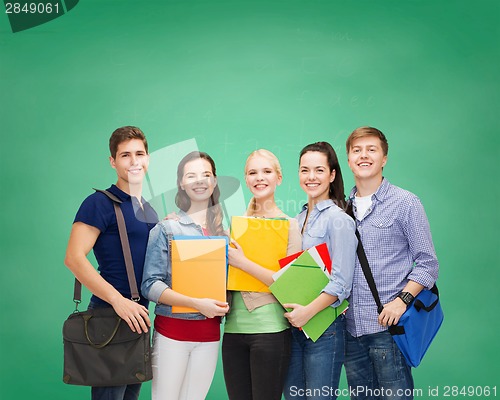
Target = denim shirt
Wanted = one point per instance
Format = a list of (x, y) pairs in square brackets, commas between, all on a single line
[(157, 276), (329, 224)]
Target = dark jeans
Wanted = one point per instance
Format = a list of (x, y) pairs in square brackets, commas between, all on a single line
[(255, 365), (127, 392), (376, 369)]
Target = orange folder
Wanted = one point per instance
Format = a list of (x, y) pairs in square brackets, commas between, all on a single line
[(199, 269), (264, 241)]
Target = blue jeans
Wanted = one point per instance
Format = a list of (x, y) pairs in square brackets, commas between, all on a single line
[(376, 369), (314, 370), (126, 392)]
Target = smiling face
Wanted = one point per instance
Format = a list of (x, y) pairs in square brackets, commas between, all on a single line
[(315, 176), (198, 180), (131, 163), (261, 176), (366, 158)]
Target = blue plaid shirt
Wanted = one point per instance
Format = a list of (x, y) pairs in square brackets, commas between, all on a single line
[(397, 240)]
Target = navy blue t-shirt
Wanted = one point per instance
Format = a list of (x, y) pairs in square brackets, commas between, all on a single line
[(97, 210)]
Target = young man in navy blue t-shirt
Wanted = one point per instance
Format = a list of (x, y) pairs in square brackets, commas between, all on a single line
[(95, 228)]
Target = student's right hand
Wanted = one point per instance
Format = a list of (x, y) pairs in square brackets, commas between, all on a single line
[(211, 308), (236, 255), (133, 313)]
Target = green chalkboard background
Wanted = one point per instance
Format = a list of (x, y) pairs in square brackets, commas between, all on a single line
[(237, 76)]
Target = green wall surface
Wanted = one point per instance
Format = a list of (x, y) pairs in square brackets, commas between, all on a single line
[(231, 77)]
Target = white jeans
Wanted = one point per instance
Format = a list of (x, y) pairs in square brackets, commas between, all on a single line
[(182, 370)]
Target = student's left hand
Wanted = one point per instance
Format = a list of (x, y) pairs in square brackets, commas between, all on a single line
[(299, 316), (236, 255), (211, 308), (172, 216), (392, 312)]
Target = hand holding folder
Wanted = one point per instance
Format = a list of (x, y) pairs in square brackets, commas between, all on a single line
[(264, 242), (301, 283), (199, 268)]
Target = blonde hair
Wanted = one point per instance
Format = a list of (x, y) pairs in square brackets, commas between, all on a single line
[(276, 166)]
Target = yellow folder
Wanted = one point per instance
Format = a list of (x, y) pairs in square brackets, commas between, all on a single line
[(199, 269), (264, 242)]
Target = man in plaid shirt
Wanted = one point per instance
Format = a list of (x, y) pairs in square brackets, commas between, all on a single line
[(397, 240)]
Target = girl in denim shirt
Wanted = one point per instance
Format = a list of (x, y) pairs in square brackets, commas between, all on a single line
[(185, 346), (314, 370)]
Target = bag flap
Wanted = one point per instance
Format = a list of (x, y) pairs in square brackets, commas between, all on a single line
[(99, 328)]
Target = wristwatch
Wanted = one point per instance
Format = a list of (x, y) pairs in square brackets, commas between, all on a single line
[(407, 297)]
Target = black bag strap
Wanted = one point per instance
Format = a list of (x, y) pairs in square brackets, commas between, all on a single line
[(393, 329), (367, 272), (421, 306), (127, 255)]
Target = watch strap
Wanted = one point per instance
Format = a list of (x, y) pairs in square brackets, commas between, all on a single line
[(407, 297)]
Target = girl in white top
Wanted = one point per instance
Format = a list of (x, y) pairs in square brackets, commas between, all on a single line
[(186, 345)]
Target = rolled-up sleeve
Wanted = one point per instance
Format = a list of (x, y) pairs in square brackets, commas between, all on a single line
[(343, 243), (157, 270), (417, 230)]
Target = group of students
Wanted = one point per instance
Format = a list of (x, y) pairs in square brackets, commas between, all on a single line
[(264, 352)]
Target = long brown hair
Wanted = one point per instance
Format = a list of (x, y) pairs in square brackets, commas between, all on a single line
[(336, 190), (214, 209)]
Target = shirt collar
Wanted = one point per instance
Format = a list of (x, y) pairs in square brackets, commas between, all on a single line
[(382, 190), (322, 205), (184, 218), (379, 194), (119, 193)]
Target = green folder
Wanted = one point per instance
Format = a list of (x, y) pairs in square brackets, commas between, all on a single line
[(301, 283)]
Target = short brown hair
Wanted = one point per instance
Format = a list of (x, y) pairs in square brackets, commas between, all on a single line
[(123, 134), (364, 131)]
